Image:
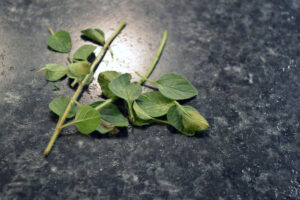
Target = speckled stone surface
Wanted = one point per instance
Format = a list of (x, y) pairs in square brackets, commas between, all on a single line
[(242, 56)]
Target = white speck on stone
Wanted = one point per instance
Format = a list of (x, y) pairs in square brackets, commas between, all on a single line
[(11, 98), (54, 169), (250, 78), (80, 143)]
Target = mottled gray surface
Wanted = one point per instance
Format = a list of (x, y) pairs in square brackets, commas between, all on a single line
[(243, 57)]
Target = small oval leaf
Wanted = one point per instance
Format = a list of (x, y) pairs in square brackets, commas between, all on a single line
[(59, 105), (79, 69), (175, 86), (60, 42), (87, 119)]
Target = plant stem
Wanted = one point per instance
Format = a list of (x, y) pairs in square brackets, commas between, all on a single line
[(104, 104), (146, 79), (158, 54), (51, 31), (77, 103), (80, 87), (131, 115), (161, 121)]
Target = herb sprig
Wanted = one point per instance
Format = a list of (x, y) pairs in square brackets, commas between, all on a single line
[(159, 106)]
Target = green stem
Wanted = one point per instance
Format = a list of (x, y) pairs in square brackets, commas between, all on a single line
[(158, 54), (161, 121), (51, 31), (77, 103), (145, 78), (131, 115), (104, 104), (80, 87), (70, 59)]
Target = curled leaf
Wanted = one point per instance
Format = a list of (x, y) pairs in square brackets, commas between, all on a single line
[(95, 35), (186, 119), (79, 69)]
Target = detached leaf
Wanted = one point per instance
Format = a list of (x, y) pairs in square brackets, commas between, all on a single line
[(186, 119), (154, 103), (84, 52), (87, 119), (59, 105), (175, 86), (95, 35), (140, 113), (60, 41), (123, 88), (79, 69), (54, 72), (104, 79)]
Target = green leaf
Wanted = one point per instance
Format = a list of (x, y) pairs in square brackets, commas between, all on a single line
[(154, 103), (87, 119), (110, 114), (54, 72), (182, 118), (104, 79), (79, 69), (175, 86), (174, 117), (103, 129), (140, 113), (60, 41), (84, 52), (59, 105), (95, 35), (141, 122), (123, 88), (192, 120)]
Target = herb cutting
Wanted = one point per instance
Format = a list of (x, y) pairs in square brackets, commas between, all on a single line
[(104, 116)]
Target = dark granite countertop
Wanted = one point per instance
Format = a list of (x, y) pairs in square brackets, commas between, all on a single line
[(242, 56)]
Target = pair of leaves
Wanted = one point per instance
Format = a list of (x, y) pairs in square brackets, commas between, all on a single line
[(87, 119), (186, 119), (60, 41), (104, 79), (55, 72), (111, 117), (124, 89), (97, 36)]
